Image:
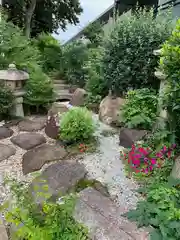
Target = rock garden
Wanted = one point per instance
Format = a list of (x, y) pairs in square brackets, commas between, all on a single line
[(94, 155)]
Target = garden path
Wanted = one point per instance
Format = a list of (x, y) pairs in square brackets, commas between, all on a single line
[(28, 149)]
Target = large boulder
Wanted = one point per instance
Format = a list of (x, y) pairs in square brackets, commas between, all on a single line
[(78, 97), (60, 178), (109, 110), (34, 159), (176, 169), (128, 136)]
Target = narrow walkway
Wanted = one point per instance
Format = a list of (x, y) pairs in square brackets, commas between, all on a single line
[(105, 165)]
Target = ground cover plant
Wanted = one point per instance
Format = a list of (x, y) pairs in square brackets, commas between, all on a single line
[(51, 221)]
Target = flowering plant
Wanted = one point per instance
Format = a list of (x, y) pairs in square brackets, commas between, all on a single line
[(82, 147), (144, 159)]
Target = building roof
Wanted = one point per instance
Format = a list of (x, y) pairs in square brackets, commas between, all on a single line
[(103, 17)]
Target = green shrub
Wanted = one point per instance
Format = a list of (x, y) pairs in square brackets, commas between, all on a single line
[(39, 88), (170, 64), (140, 109), (15, 47), (51, 52), (51, 221), (74, 56), (128, 59), (76, 125), (6, 100), (95, 83), (161, 211)]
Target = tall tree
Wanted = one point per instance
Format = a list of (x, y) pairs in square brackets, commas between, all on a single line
[(37, 16)]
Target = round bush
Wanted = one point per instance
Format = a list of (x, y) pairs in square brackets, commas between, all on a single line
[(76, 125), (128, 60)]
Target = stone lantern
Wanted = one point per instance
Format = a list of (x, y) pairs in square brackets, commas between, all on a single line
[(14, 79)]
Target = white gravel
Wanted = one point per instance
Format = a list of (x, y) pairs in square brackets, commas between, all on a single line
[(105, 165)]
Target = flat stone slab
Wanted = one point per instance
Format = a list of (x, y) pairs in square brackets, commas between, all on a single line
[(5, 132), (104, 219), (28, 140), (6, 151), (34, 159), (60, 178), (32, 125)]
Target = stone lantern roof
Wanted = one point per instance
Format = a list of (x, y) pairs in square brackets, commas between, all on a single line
[(13, 74)]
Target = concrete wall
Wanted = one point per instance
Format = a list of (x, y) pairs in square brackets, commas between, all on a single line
[(176, 8)]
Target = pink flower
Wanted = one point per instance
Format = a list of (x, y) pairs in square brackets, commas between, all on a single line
[(153, 161)]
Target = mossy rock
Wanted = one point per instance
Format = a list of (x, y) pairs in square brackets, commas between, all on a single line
[(85, 183)]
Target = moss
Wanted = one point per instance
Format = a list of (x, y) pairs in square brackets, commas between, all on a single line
[(85, 183)]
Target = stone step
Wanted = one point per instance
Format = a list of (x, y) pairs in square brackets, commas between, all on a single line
[(59, 81), (104, 219), (61, 86), (63, 95)]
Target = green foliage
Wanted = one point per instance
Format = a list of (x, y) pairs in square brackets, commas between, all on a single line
[(39, 88), (95, 83), (51, 221), (48, 16), (94, 33), (51, 52), (15, 47), (140, 109), (170, 64), (76, 125), (6, 100), (74, 56), (161, 210), (128, 60)]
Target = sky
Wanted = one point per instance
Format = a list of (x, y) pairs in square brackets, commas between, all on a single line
[(91, 9)]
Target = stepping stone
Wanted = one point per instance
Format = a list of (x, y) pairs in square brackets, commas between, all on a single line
[(129, 136), (60, 178), (32, 125), (5, 132), (6, 151), (28, 140), (104, 219), (34, 159), (11, 123)]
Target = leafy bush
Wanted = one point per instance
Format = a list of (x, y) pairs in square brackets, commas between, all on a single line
[(94, 33), (128, 60), (51, 52), (76, 125), (170, 64), (161, 210), (74, 56), (6, 100), (95, 83), (51, 221), (140, 108), (15, 47), (39, 88)]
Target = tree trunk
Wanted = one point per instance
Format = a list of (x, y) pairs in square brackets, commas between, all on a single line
[(28, 18)]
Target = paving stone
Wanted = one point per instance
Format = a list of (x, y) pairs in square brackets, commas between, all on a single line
[(32, 125), (6, 151), (5, 132), (34, 159), (129, 136), (60, 178), (104, 218), (11, 123), (28, 140)]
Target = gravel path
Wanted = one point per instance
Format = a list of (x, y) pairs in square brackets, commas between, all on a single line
[(105, 165)]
